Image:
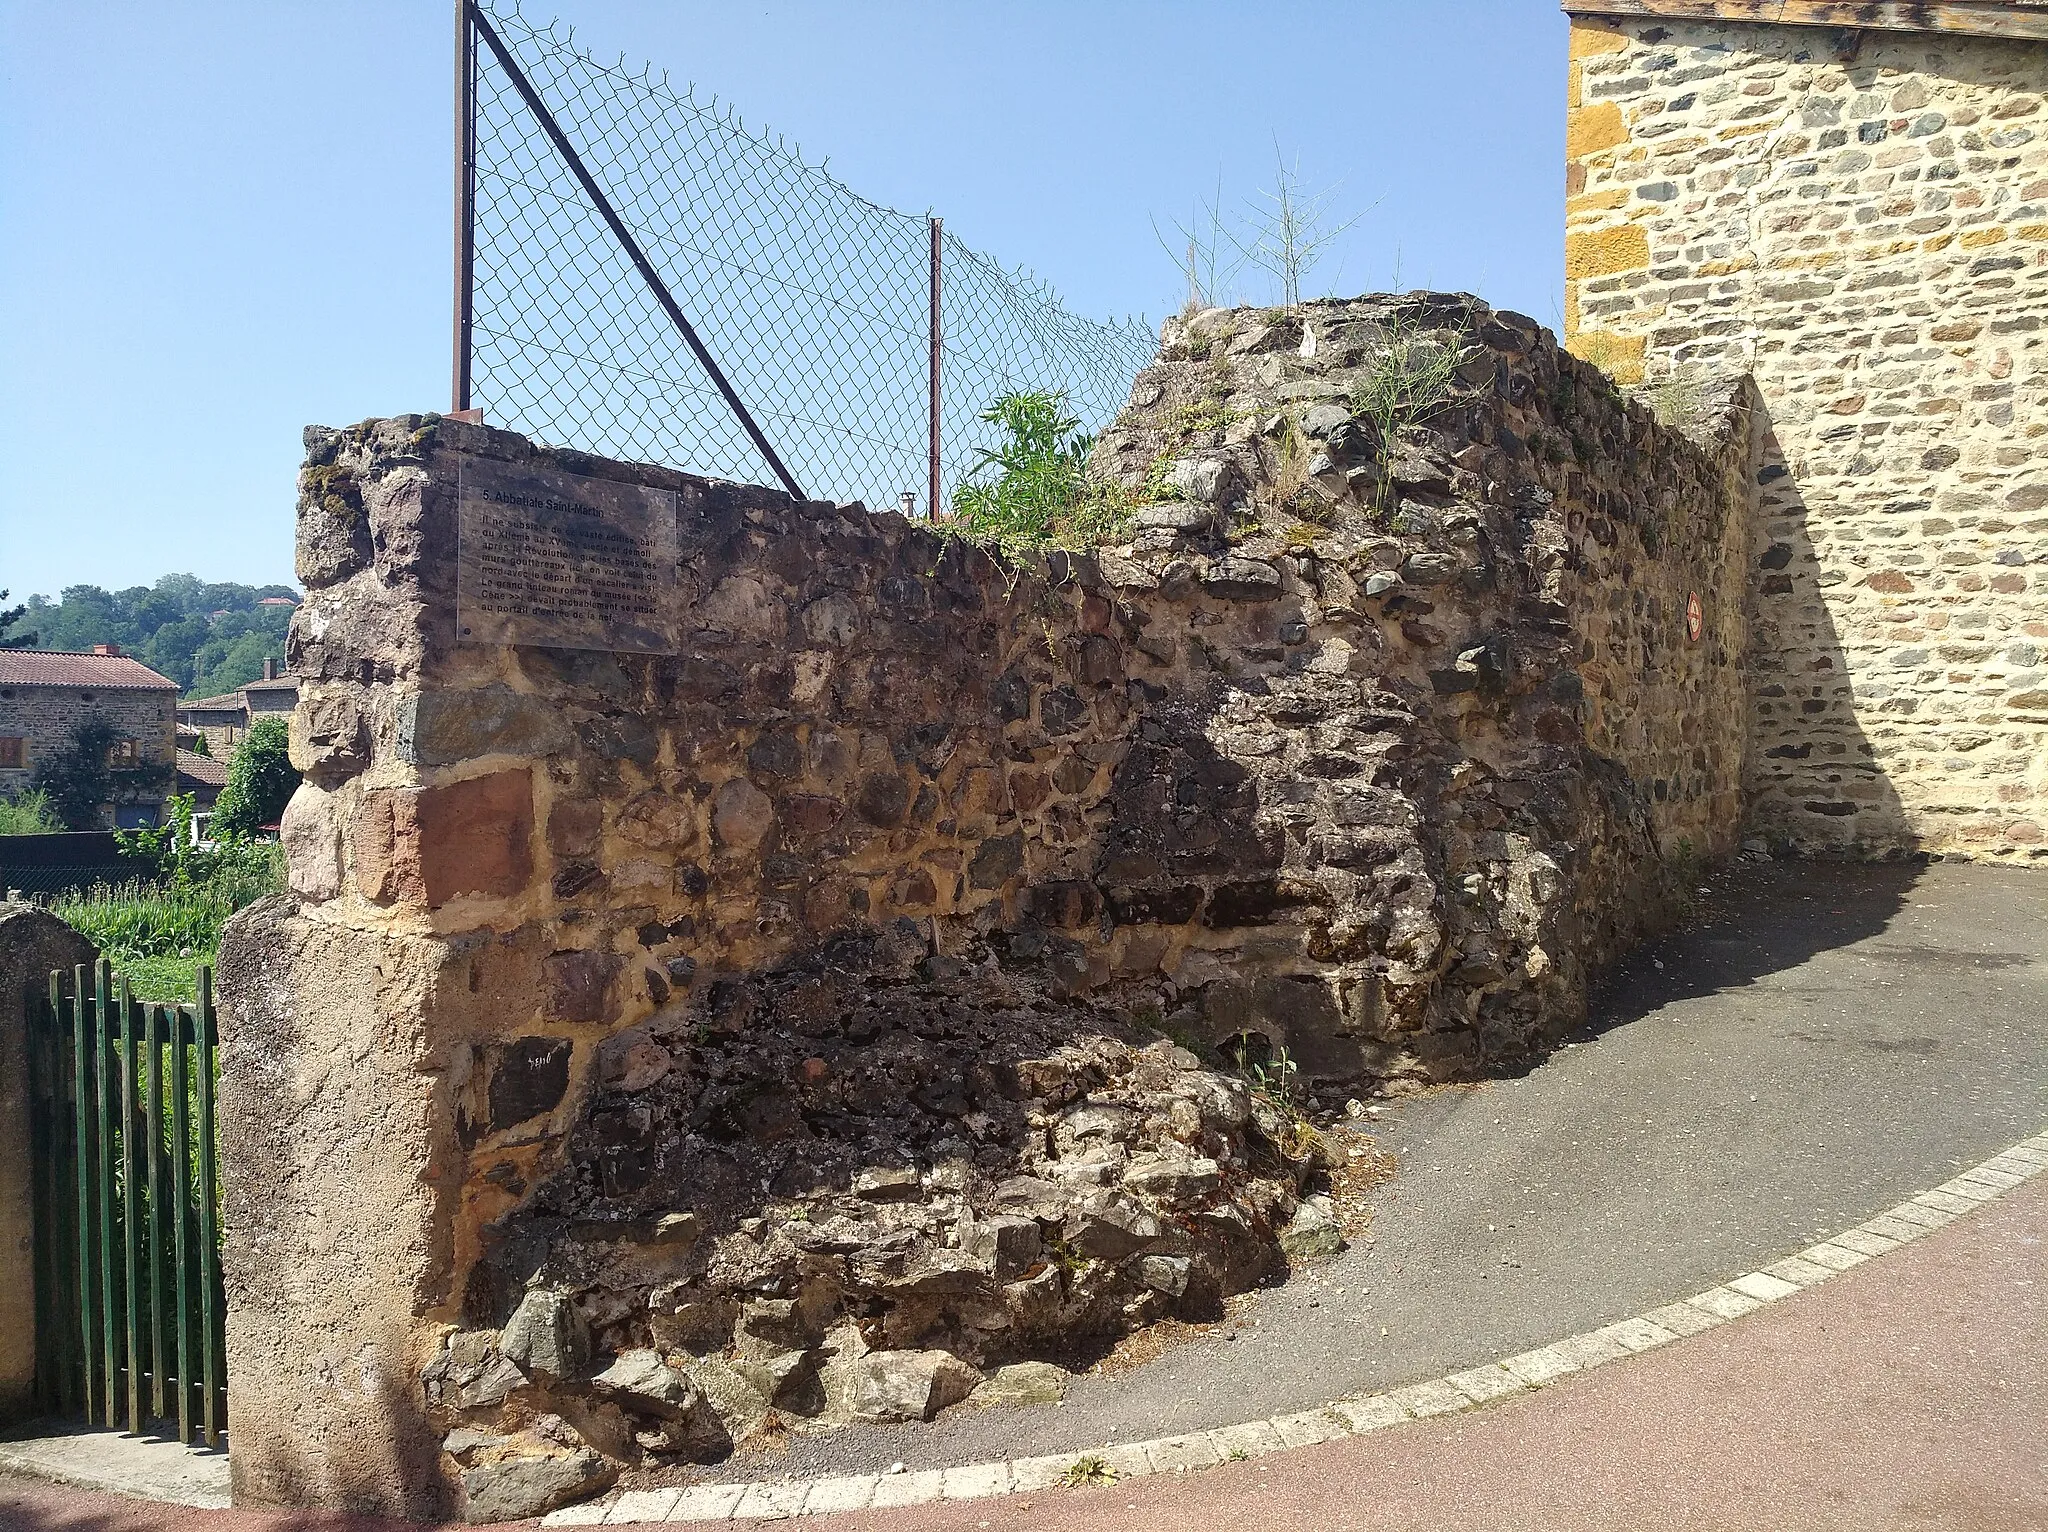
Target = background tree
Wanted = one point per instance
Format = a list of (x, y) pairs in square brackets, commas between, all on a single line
[(9, 616), (207, 637), (260, 781), (75, 777)]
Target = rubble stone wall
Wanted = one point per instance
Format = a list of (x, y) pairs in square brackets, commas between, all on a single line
[(861, 999), (1859, 220)]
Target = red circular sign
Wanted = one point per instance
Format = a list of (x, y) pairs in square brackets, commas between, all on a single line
[(1695, 617)]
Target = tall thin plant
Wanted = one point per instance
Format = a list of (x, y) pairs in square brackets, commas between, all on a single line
[(1204, 252), (1290, 230)]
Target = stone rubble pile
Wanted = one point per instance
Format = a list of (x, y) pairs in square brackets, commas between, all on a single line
[(908, 1193)]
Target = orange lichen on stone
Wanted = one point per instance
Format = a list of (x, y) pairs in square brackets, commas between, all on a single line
[(1590, 129), (1594, 202), (1591, 37), (1619, 356), (1602, 252)]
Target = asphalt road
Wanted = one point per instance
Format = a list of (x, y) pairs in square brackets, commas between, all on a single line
[(1824, 1041), (1907, 1393)]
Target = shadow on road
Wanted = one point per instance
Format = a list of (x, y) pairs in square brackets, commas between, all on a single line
[(1758, 919)]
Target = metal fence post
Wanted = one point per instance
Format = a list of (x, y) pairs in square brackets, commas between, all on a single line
[(465, 199), (631, 246), (932, 505)]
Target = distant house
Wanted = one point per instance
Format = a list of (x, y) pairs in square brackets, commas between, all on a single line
[(201, 777), (46, 694), (225, 719)]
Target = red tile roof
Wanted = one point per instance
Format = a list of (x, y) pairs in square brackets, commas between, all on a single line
[(202, 768), (226, 702), (57, 667)]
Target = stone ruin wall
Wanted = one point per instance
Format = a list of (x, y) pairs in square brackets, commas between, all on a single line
[(1866, 234), (803, 1018)]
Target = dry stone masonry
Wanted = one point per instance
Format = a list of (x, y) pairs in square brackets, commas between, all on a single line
[(870, 973), (1859, 220)]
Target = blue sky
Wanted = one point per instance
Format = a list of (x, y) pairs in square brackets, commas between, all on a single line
[(225, 221)]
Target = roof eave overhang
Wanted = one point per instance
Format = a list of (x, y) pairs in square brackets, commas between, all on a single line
[(2015, 20)]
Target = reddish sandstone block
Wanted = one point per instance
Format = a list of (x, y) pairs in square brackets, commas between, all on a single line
[(476, 837), (385, 847), (579, 986)]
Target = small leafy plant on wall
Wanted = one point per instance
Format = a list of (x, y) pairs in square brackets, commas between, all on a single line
[(1029, 494)]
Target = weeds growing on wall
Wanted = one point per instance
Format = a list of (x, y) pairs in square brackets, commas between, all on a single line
[(1408, 380), (1675, 398), (1291, 230), (1204, 253), (1030, 494)]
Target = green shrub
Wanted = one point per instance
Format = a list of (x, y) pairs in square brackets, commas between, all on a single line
[(158, 931), (1030, 494), (166, 854), (31, 813), (260, 781)]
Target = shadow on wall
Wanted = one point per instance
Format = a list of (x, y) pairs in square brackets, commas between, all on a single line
[(1815, 785)]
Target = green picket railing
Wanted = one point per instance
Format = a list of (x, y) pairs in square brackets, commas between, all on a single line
[(130, 1307)]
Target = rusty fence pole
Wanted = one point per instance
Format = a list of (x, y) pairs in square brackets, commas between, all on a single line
[(465, 200), (932, 505)]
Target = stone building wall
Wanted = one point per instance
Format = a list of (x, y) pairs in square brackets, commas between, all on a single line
[(1860, 221), (848, 1001), (44, 717)]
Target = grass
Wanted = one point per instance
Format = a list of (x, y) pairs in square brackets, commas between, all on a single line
[(30, 814), (159, 935), (162, 978), (1675, 399)]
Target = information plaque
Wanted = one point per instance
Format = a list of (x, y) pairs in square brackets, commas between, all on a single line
[(562, 561)]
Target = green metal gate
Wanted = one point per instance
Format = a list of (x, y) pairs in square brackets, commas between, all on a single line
[(130, 1308)]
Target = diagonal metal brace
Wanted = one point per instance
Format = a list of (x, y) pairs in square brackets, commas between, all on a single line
[(627, 242)]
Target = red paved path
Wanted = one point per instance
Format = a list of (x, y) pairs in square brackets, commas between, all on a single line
[(1910, 1393)]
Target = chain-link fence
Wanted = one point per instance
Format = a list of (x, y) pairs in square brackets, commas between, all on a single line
[(641, 276)]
